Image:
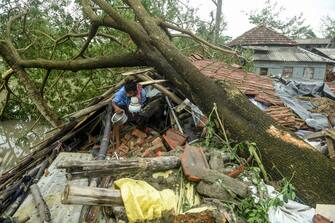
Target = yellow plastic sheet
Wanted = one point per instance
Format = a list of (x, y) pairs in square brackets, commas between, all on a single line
[(142, 201)]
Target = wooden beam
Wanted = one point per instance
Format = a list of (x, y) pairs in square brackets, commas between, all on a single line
[(138, 71), (330, 146), (42, 207), (109, 167), (327, 132), (161, 88), (91, 196), (143, 83)]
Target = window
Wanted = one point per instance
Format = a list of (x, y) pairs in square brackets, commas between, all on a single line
[(287, 72), (308, 73), (263, 71)]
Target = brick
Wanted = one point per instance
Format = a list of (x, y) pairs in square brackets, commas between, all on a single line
[(138, 133), (174, 138), (193, 161)]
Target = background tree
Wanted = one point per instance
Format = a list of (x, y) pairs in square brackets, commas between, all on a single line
[(328, 26), (51, 30), (272, 16)]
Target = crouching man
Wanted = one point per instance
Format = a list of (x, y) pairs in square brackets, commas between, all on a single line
[(129, 98)]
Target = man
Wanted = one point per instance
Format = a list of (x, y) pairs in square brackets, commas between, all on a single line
[(121, 100)]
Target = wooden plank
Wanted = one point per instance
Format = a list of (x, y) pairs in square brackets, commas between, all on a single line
[(314, 135), (323, 133), (330, 133), (52, 186), (138, 71), (91, 196), (143, 83), (330, 145)]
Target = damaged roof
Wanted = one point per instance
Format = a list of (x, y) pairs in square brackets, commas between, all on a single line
[(262, 35), (327, 52), (286, 54), (313, 41), (254, 86)]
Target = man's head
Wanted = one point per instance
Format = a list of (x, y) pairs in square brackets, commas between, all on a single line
[(131, 88)]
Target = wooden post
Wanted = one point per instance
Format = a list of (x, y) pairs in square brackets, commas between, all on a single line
[(43, 210), (106, 137), (330, 146), (99, 168), (91, 196)]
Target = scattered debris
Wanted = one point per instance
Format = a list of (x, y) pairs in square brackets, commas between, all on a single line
[(179, 165)]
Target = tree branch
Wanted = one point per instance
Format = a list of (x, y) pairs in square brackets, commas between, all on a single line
[(10, 24), (44, 82), (123, 60), (93, 31), (198, 39)]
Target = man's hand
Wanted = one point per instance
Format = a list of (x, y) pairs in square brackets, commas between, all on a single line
[(118, 109)]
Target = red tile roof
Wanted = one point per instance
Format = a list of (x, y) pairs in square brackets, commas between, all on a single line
[(262, 35), (252, 85)]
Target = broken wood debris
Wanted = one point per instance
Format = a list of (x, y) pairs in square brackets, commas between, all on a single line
[(112, 167), (329, 136), (42, 207), (91, 196)]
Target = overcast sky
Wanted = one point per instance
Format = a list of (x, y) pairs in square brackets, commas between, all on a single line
[(233, 11)]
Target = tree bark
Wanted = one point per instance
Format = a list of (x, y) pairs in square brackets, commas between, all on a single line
[(283, 154), (91, 196), (42, 207), (11, 57)]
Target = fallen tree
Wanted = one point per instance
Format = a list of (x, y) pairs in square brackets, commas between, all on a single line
[(283, 154)]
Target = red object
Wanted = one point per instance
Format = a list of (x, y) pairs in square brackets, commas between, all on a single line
[(174, 138), (193, 161), (237, 171), (138, 133)]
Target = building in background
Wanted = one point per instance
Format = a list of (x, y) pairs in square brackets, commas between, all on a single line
[(277, 55)]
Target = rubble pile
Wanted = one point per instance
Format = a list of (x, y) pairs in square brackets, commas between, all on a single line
[(185, 170)]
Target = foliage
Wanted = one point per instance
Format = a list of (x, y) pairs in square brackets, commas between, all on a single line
[(328, 26), (271, 16), (45, 22)]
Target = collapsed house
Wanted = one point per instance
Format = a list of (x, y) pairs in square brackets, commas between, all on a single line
[(175, 165), (301, 107)]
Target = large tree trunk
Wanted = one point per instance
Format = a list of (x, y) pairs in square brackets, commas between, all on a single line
[(11, 57), (282, 153)]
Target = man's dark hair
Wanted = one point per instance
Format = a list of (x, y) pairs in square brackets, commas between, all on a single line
[(130, 86)]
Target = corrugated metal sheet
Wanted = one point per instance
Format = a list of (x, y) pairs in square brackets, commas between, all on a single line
[(313, 41), (286, 54), (329, 52)]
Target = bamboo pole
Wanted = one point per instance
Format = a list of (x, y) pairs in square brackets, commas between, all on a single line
[(42, 207), (110, 167), (91, 196)]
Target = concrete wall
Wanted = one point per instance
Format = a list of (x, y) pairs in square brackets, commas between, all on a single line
[(276, 68)]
